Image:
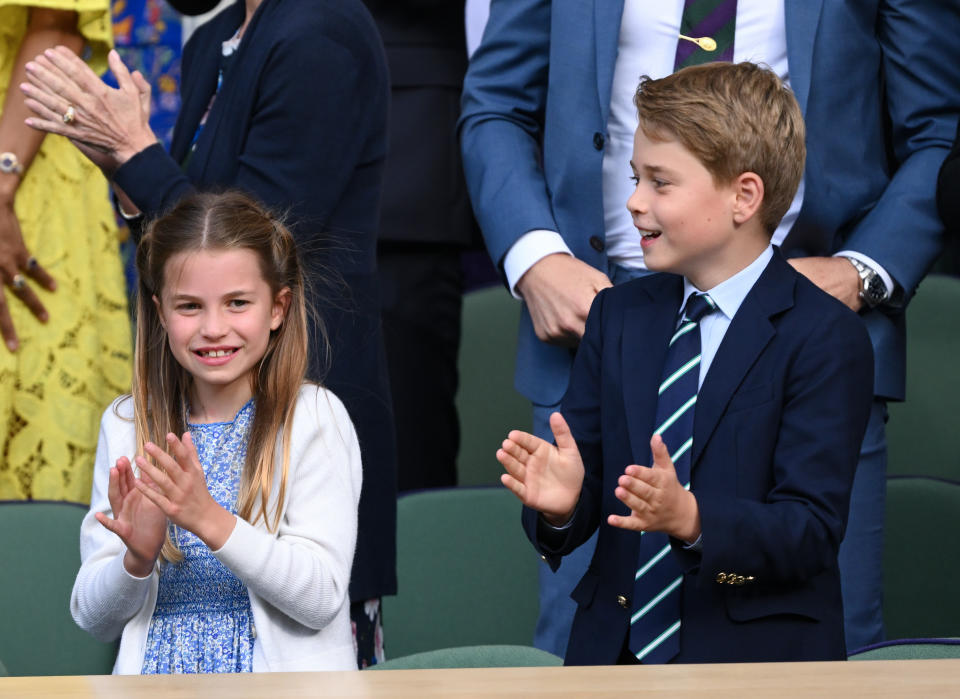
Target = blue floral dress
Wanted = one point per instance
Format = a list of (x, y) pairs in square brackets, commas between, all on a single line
[(202, 621)]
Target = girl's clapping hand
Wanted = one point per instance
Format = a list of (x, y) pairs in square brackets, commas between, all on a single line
[(178, 487), (136, 520)]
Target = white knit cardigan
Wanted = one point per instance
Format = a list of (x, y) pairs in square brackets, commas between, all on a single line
[(297, 577)]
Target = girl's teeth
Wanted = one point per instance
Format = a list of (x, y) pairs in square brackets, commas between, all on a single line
[(217, 353)]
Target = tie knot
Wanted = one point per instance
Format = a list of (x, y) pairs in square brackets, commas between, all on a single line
[(699, 305)]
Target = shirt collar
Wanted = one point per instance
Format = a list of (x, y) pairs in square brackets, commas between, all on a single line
[(730, 293)]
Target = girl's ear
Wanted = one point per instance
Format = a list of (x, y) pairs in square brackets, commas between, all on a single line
[(281, 304), (159, 307), (749, 196)]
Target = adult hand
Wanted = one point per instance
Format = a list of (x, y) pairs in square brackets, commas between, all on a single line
[(137, 521), (658, 502), (544, 477), (558, 291), (179, 488), (835, 275), (110, 125), (16, 266)]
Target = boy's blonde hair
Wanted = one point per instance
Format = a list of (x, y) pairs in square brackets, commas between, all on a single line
[(735, 118)]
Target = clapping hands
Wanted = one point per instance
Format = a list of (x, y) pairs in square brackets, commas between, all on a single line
[(544, 477), (172, 488)]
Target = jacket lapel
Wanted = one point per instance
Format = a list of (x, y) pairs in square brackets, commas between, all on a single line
[(748, 334), (204, 68), (607, 16), (647, 329), (802, 17)]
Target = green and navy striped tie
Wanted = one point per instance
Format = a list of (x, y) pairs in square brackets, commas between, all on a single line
[(655, 622)]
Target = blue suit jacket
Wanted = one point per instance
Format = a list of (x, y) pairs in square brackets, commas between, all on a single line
[(778, 425), (879, 85), (301, 124)]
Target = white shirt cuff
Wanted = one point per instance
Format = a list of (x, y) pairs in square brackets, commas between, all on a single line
[(874, 265), (529, 249)]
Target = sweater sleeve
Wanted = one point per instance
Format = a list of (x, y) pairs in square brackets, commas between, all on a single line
[(303, 569), (105, 596)]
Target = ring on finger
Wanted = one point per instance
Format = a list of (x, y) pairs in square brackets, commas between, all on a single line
[(18, 282), (32, 263), (70, 115)]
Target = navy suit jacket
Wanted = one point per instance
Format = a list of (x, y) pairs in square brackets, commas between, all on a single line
[(948, 189), (301, 124), (777, 430), (879, 86)]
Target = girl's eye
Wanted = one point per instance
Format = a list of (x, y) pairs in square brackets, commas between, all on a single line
[(238, 303), (187, 306), (659, 183), (634, 179)]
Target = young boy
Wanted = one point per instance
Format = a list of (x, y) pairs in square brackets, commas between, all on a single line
[(753, 383)]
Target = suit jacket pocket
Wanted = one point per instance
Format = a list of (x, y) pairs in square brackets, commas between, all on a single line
[(586, 589), (751, 603), (750, 397)]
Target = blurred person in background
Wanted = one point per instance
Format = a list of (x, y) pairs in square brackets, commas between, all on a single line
[(63, 307)]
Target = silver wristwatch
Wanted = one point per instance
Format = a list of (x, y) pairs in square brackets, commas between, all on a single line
[(873, 291)]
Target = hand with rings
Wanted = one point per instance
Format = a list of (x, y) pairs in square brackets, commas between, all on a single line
[(109, 125), (17, 266)]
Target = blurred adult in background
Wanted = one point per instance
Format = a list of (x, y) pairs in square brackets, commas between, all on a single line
[(287, 100), (425, 225), (63, 308)]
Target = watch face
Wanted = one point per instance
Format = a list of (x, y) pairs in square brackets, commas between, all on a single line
[(874, 289)]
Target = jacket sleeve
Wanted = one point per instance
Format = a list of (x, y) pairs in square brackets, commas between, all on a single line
[(581, 408), (320, 100), (501, 124), (105, 597), (303, 569), (902, 231)]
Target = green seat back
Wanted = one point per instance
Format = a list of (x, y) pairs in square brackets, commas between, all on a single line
[(473, 656), (487, 402), (917, 649), (40, 554), (466, 573), (922, 434), (920, 565)]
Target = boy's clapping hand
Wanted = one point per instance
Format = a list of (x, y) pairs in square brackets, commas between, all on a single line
[(544, 477), (657, 500)]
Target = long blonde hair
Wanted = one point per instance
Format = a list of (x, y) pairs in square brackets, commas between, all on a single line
[(229, 220)]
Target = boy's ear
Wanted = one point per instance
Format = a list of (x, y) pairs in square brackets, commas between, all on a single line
[(748, 188), (281, 304), (156, 303)]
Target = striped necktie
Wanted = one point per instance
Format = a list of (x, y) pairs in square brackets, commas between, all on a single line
[(716, 19), (655, 623)]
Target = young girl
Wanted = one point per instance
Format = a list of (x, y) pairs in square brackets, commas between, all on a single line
[(231, 551)]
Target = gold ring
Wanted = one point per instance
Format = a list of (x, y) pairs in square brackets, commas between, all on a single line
[(70, 115), (19, 281)]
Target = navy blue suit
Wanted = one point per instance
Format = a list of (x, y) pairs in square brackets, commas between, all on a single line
[(301, 123), (777, 430)]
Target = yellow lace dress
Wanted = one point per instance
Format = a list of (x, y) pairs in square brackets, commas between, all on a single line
[(55, 387)]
